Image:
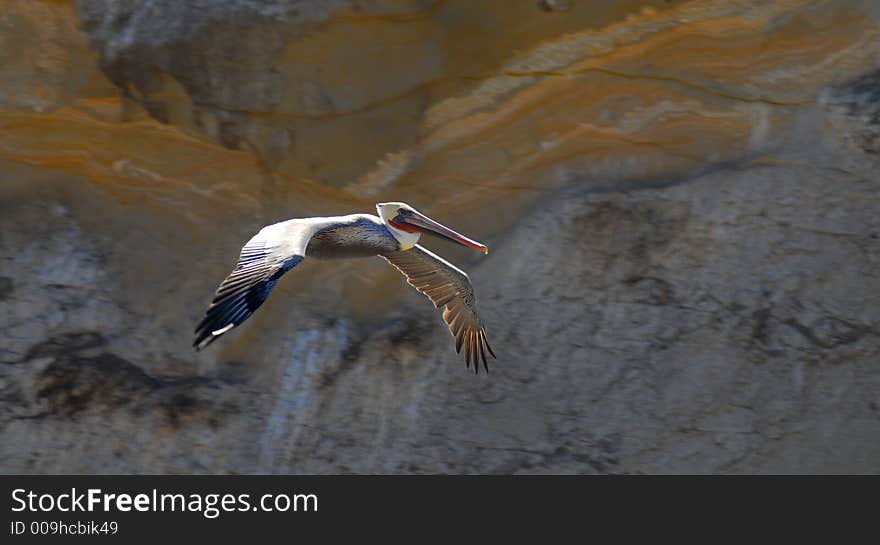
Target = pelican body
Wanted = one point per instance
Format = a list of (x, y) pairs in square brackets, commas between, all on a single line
[(392, 235)]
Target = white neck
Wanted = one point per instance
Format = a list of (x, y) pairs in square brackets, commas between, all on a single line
[(406, 239)]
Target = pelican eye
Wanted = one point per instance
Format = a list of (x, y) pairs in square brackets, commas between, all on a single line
[(402, 212)]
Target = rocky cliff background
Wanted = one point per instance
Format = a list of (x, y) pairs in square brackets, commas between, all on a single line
[(681, 198)]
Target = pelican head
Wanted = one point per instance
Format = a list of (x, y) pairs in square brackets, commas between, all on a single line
[(406, 223)]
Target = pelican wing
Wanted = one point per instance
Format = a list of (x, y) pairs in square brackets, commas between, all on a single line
[(269, 254), (445, 284)]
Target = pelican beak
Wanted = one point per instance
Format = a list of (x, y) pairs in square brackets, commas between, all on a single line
[(430, 227)]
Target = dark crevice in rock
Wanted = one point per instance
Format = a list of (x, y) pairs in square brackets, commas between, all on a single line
[(411, 331), (761, 326), (64, 344), (829, 332), (349, 358), (6, 287), (108, 382), (73, 383), (82, 375), (657, 291), (859, 100)]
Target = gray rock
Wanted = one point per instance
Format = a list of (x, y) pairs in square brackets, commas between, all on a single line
[(723, 321)]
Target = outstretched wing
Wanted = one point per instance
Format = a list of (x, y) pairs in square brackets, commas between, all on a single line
[(444, 284), (269, 254)]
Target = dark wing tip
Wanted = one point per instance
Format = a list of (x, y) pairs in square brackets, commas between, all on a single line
[(474, 356), (204, 340), (482, 337), (459, 338), (475, 345), (201, 335), (262, 261), (207, 333), (488, 347), (473, 342)]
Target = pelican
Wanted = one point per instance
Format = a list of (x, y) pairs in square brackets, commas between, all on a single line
[(393, 235)]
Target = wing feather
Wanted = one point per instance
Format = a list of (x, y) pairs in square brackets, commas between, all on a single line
[(446, 285), (269, 254)]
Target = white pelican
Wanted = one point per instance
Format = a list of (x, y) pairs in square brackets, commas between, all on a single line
[(393, 236)]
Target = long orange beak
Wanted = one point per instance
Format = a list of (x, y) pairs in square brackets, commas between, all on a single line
[(430, 227)]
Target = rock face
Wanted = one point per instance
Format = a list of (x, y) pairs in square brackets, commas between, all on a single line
[(680, 198)]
